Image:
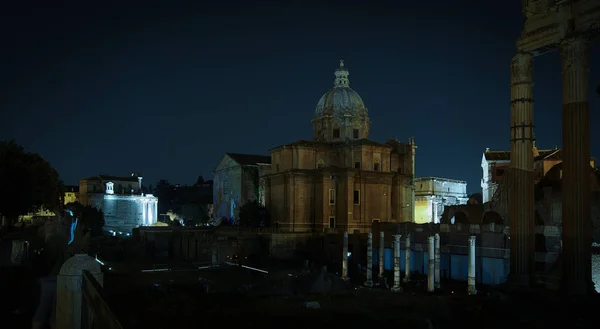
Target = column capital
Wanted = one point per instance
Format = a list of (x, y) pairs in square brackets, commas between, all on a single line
[(574, 53), (472, 240), (521, 68)]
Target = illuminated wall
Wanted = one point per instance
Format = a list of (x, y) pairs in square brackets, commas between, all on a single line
[(122, 213), (423, 210)]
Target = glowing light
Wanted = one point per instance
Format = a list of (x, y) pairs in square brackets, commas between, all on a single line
[(100, 262), (73, 228), (157, 270)]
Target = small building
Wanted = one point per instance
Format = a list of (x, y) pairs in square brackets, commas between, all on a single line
[(432, 194), (237, 180), (71, 194), (121, 200)]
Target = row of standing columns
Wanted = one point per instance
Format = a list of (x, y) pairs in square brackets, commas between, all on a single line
[(433, 275)]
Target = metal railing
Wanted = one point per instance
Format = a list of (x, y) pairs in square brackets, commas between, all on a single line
[(95, 312)]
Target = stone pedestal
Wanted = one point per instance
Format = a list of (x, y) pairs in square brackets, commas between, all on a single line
[(521, 205), (471, 289), (576, 212), (407, 259), (437, 261), (381, 254), (69, 296), (397, 287), (369, 282), (345, 257), (431, 264)]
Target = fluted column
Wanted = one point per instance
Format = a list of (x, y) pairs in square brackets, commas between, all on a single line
[(369, 282), (576, 212), (345, 257), (397, 287), (381, 253), (407, 259), (521, 180)]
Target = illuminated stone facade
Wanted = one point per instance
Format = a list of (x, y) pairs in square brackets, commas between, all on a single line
[(341, 180), (237, 180), (432, 194), (121, 200), (495, 164)]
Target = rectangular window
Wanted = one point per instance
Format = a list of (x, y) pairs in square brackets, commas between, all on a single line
[(331, 196), (331, 222), (376, 166), (357, 165), (336, 133), (356, 196), (355, 133)]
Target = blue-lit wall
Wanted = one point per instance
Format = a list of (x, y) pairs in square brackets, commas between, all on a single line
[(489, 271)]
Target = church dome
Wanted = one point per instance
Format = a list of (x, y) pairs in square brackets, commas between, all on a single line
[(341, 99), (341, 113)]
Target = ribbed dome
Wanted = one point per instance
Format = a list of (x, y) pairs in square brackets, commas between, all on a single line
[(340, 101)]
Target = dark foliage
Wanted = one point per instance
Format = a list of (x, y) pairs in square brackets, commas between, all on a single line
[(91, 218), (28, 182), (253, 214)]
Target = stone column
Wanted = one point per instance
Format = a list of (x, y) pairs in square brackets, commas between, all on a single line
[(381, 253), (407, 259), (69, 294), (397, 287), (431, 264), (345, 257), (369, 282), (576, 212), (521, 207), (437, 261), (471, 281)]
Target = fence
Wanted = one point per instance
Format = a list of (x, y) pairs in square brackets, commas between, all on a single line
[(95, 311)]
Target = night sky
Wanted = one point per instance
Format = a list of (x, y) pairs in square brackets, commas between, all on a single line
[(166, 91)]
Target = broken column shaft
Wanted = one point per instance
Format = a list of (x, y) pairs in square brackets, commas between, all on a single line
[(345, 257), (397, 287), (431, 264), (407, 259), (381, 253), (521, 180), (369, 282), (437, 261), (576, 211), (471, 280)]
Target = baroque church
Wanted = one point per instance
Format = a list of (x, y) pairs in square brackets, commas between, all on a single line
[(340, 180)]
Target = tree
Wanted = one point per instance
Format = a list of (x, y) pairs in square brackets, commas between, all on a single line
[(253, 214), (90, 218), (29, 183)]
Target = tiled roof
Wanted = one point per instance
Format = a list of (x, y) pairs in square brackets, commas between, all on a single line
[(113, 178), (249, 159)]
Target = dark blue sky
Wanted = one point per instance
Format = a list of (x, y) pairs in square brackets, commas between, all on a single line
[(166, 91)]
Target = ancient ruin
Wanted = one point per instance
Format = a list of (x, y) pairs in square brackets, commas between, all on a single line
[(567, 26)]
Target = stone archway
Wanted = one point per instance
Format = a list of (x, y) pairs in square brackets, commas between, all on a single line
[(460, 218), (492, 217)]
